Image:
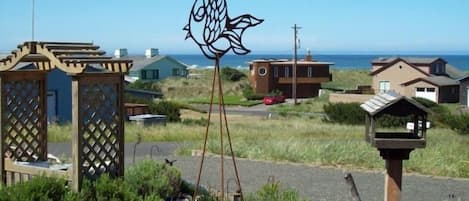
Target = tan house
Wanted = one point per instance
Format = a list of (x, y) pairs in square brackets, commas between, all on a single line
[(267, 75), (430, 78)]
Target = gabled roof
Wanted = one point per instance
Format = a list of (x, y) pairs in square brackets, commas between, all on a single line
[(463, 78), (439, 81), (411, 60), (453, 72), (140, 62), (396, 61), (69, 57), (383, 101)]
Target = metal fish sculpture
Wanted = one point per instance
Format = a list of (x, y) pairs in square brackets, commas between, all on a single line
[(214, 31)]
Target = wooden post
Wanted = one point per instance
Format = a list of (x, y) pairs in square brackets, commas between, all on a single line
[(122, 116), (43, 107), (76, 139), (393, 180), (2, 154)]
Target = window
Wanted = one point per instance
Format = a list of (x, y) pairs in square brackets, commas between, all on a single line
[(384, 86), (287, 71), (310, 71), (420, 89), (430, 89), (439, 68), (276, 71), (150, 74), (262, 71)]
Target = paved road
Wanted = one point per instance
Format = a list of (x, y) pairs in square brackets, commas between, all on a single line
[(313, 183)]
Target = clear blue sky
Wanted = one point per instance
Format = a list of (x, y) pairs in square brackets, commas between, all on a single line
[(332, 26)]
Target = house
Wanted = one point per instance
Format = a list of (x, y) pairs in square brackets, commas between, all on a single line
[(59, 92), (430, 78), (153, 66), (267, 75), (464, 91)]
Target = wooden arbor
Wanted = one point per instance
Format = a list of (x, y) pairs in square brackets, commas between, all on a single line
[(97, 107), (395, 146)]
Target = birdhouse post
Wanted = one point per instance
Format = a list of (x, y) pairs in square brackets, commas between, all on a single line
[(394, 147)]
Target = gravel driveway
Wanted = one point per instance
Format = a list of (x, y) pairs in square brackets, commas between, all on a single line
[(313, 183)]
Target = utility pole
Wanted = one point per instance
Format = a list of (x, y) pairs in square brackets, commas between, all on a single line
[(32, 21), (295, 59)]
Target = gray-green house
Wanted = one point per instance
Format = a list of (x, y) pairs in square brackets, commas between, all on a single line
[(154, 67)]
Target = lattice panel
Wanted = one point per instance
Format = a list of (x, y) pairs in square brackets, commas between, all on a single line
[(23, 132), (99, 130)]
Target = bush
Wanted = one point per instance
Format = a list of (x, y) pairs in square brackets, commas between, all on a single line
[(344, 113), (37, 189), (104, 189), (170, 109), (151, 178), (248, 93), (273, 192), (458, 123), (149, 86), (232, 74)]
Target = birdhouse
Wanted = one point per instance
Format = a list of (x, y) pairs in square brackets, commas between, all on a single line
[(395, 105)]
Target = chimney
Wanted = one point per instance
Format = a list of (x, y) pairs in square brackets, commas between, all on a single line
[(151, 52), (119, 53), (309, 57)]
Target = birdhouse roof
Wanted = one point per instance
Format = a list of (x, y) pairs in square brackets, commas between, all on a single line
[(394, 104)]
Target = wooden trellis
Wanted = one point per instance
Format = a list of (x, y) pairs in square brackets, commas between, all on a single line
[(97, 107)]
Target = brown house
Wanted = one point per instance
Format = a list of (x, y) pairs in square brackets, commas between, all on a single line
[(267, 75), (430, 78)]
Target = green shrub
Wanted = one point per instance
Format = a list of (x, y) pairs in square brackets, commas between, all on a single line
[(149, 177), (37, 189), (458, 123), (104, 189), (248, 93), (273, 192), (232, 74), (425, 102), (344, 113), (195, 122), (145, 85), (392, 121), (170, 109)]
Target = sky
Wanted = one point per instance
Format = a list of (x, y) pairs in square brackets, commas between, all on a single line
[(327, 26)]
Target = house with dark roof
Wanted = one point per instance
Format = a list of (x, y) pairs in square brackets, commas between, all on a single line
[(152, 66), (430, 78)]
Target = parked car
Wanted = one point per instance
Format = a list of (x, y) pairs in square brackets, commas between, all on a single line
[(270, 100)]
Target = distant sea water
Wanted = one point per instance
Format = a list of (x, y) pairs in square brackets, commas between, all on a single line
[(341, 61)]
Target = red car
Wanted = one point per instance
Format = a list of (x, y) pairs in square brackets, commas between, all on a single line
[(270, 100)]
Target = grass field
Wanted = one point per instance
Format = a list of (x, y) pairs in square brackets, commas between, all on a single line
[(348, 79), (304, 140), (294, 138)]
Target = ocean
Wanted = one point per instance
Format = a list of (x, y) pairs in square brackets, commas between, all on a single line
[(341, 61)]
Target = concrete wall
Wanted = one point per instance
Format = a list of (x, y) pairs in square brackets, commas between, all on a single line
[(349, 98)]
